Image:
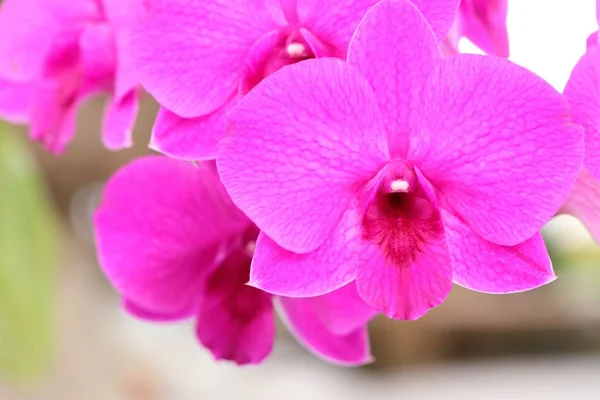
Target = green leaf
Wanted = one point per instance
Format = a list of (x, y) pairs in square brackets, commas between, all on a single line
[(28, 250)]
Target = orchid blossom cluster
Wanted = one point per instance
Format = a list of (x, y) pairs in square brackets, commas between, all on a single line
[(328, 160)]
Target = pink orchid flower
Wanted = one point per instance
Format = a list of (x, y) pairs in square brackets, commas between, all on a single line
[(483, 22), (583, 93), (594, 38), (174, 246), (197, 58), (54, 54), (400, 170)]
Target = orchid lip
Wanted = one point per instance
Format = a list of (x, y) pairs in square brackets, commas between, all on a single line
[(400, 218)]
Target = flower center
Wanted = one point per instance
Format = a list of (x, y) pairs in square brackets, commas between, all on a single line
[(227, 285), (289, 51), (296, 50), (401, 219), (284, 48)]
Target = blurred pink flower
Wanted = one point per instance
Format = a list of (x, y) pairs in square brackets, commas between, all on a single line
[(54, 54), (594, 38), (198, 57), (483, 22), (174, 246), (583, 93), (400, 170)]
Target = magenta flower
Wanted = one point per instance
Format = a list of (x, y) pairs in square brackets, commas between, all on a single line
[(54, 55), (174, 246), (400, 170), (483, 22), (583, 93), (594, 38), (198, 57)]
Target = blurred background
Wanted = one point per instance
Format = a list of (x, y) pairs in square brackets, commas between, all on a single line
[(64, 337)]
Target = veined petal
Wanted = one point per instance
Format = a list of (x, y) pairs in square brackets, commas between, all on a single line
[(440, 14), (190, 56), (333, 21), (395, 48), (329, 267), (487, 267), (406, 292), (492, 138), (298, 146)]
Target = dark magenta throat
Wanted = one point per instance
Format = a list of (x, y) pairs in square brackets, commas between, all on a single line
[(401, 218)]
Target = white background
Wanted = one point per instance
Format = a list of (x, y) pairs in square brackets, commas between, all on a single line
[(548, 36)]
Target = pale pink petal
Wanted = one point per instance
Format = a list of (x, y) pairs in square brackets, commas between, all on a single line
[(484, 24), (343, 310), (190, 55), (298, 146), (152, 316), (159, 230), (119, 119), (487, 267), (583, 93), (15, 101), (235, 321), (28, 29), (302, 319), (410, 291), (188, 138), (395, 49), (584, 203), (321, 271), (498, 144)]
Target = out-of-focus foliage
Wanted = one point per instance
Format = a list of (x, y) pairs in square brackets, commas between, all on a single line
[(28, 249)]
